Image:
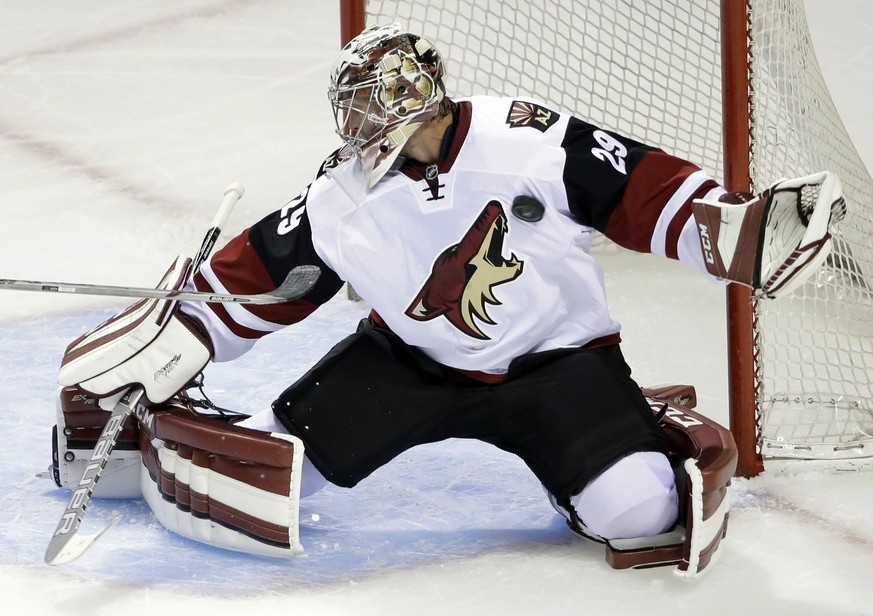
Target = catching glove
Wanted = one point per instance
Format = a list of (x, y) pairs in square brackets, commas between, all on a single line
[(774, 241)]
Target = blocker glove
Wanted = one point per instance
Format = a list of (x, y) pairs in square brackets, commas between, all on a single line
[(151, 343)]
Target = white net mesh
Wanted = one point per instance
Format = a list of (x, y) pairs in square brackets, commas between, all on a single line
[(816, 346), (652, 70), (639, 70)]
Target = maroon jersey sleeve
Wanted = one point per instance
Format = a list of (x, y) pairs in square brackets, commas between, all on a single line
[(258, 261), (625, 189)]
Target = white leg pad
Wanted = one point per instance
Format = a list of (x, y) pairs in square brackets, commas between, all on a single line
[(223, 485), (705, 532)]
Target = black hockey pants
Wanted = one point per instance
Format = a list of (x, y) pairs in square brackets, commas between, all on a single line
[(568, 414)]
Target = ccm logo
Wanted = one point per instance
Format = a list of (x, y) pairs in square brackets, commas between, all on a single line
[(145, 417), (706, 242)]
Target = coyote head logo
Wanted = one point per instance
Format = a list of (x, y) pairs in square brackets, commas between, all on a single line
[(463, 277)]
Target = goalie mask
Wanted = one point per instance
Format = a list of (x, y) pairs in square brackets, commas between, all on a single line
[(385, 84)]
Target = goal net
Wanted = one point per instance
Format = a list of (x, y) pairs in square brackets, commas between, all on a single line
[(816, 346), (653, 71)]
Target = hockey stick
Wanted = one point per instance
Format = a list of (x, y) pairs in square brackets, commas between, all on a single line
[(67, 544), (298, 282), (232, 194)]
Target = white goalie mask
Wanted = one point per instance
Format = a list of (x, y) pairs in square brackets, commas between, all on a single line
[(384, 85)]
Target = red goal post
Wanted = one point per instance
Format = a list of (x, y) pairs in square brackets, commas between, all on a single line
[(737, 119), (687, 76)]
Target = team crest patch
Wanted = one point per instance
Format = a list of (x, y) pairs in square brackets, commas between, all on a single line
[(522, 113), (461, 283)]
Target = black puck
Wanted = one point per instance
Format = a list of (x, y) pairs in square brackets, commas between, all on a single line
[(528, 209)]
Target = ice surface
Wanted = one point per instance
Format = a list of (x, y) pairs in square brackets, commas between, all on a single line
[(120, 125)]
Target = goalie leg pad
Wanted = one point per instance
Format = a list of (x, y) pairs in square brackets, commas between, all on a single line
[(704, 456), (221, 484), (80, 420)]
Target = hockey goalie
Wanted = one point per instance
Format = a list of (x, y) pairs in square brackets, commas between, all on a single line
[(466, 225)]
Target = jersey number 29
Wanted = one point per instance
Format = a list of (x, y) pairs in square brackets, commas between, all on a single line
[(612, 151)]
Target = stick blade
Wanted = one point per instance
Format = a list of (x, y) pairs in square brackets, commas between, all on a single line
[(63, 549), (298, 282)]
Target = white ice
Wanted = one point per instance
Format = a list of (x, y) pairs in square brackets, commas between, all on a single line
[(120, 125)]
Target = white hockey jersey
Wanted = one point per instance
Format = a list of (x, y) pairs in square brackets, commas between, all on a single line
[(445, 259)]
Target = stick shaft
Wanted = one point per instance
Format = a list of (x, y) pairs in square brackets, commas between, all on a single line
[(232, 194), (66, 543), (138, 292), (298, 283)]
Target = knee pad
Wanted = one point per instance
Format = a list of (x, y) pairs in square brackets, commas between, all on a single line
[(635, 497)]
